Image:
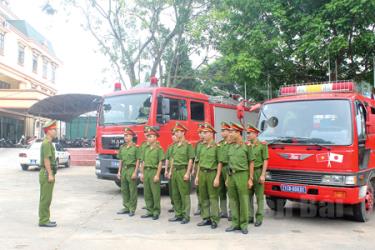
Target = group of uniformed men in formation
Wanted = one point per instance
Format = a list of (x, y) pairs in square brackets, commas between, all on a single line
[(231, 167)]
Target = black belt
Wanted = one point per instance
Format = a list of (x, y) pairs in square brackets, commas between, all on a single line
[(232, 171), (207, 170)]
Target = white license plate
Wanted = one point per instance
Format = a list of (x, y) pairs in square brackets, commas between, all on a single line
[(33, 162), (293, 189)]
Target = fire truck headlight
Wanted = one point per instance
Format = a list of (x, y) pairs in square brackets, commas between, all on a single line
[(268, 175), (333, 179), (351, 180)]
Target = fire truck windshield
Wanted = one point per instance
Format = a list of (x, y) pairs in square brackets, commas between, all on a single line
[(126, 109), (323, 122)]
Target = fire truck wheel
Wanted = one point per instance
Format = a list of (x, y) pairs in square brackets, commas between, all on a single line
[(363, 210), (118, 183), (276, 204)]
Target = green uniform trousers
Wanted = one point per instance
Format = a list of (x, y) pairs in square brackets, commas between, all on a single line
[(128, 189), (181, 194), (151, 192), (209, 196), (46, 191), (223, 191), (197, 192), (258, 190), (170, 191), (239, 199)]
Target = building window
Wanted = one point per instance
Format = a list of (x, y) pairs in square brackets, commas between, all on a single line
[(4, 85), (45, 66), (35, 63), (53, 73), (21, 54), (2, 37)]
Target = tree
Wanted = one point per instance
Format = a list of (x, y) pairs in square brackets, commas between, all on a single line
[(136, 35), (268, 43)]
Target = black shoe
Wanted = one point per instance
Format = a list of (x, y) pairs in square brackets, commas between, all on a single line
[(131, 214), (48, 225), (204, 223), (214, 225), (122, 212), (251, 221), (144, 207), (171, 210), (229, 218), (231, 229), (175, 219), (223, 215), (146, 216), (258, 224), (185, 221), (155, 217), (198, 212), (244, 231), (52, 222)]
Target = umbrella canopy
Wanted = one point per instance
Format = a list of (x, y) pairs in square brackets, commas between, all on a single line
[(65, 107)]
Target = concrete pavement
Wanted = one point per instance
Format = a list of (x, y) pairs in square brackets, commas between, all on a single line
[(85, 210)]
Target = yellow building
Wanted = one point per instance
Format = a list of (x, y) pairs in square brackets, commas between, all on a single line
[(28, 67)]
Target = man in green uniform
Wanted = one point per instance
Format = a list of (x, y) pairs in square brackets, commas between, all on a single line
[(167, 172), (223, 150), (259, 162), (208, 178), (129, 161), (153, 156), (47, 174), (198, 147), (183, 155), (238, 182)]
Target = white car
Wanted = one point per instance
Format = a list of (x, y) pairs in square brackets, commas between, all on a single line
[(31, 156)]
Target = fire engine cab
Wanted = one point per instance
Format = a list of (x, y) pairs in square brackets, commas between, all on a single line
[(321, 145), (161, 108)]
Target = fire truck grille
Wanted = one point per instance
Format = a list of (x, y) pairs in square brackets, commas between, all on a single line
[(114, 142), (296, 177)]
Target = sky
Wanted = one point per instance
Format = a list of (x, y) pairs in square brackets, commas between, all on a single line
[(83, 63)]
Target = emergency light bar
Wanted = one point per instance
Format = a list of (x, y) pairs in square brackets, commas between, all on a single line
[(324, 87)]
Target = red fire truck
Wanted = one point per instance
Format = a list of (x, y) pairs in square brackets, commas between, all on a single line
[(321, 145), (161, 108)]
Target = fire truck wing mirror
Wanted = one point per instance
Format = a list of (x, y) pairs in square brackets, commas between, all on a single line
[(273, 121)]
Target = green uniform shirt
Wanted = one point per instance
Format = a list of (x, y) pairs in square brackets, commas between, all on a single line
[(223, 151), (259, 153), (239, 157), (128, 155), (198, 147), (47, 150), (142, 148), (182, 153), (152, 156), (208, 156), (169, 152)]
